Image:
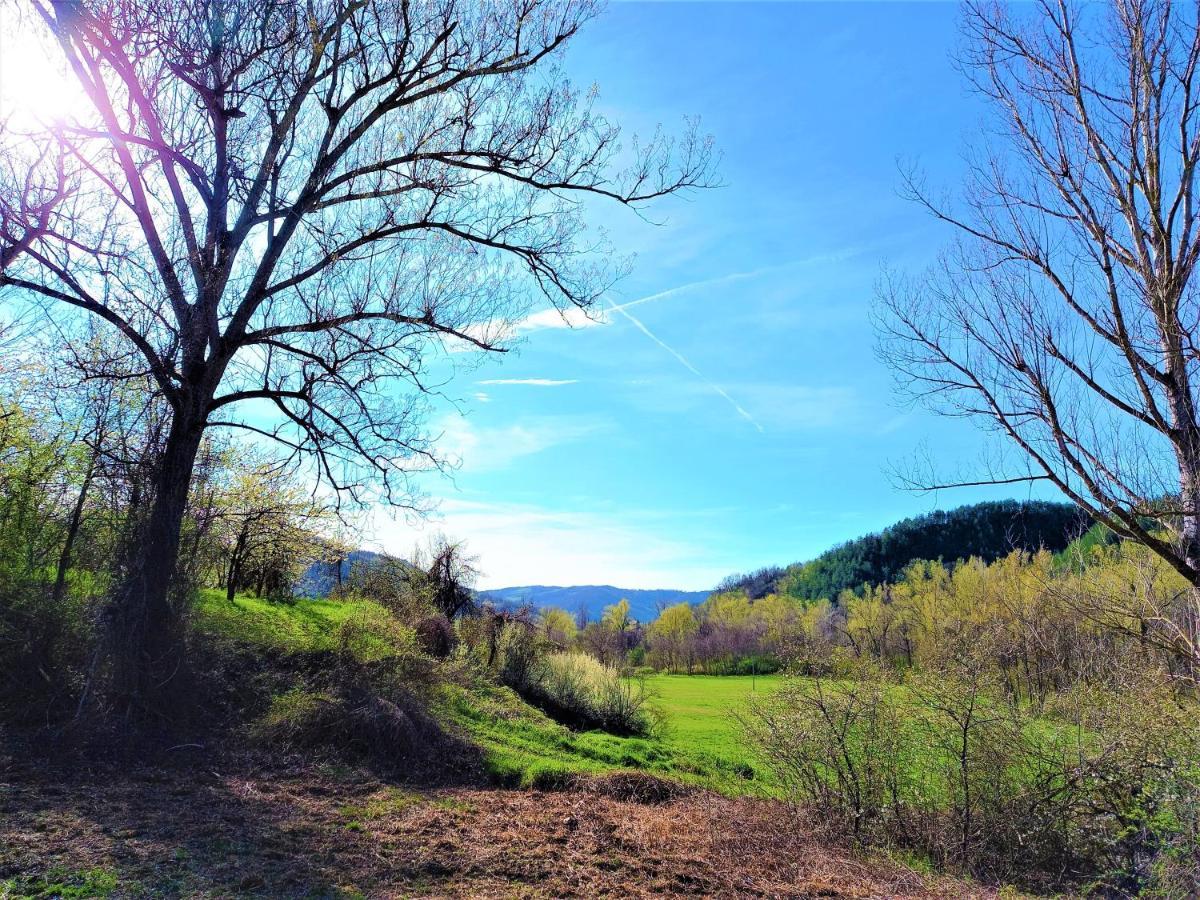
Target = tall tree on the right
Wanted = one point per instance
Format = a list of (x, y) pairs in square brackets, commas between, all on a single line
[(1066, 315)]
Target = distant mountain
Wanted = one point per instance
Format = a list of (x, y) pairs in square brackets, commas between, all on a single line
[(643, 604), (320, 578), (984, 530)]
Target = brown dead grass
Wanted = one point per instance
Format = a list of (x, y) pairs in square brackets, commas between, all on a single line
[(310, 832)]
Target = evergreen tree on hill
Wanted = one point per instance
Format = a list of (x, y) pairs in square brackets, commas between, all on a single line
[(985, 530)]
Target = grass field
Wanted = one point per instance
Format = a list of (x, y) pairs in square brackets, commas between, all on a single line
[(698, 710), (699, 741)]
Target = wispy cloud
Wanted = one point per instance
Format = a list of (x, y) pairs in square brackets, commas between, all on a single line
[(577, 318), (686, 364), (473, 448), (525, 544), (572, 317), (532, 382)]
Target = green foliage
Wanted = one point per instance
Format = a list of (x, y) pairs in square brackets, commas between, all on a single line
[(579, 690), (43, 638), (558, 627), (950, 766), (985, 531), (62, 884), (1087, 548)]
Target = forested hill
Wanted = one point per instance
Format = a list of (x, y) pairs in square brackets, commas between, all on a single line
[(986, 530), (592, 598)]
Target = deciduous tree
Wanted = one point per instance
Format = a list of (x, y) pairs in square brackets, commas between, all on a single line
[(1066, 318), (284, 208)]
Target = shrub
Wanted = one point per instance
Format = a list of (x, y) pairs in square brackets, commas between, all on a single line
[(514, 650), (950, 766), (754, 665), (435, 635), (358, 724), (838, 747), (43, 650), (371, 633), (582, 692)]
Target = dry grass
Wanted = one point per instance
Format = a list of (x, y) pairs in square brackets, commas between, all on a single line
[(325, 833)]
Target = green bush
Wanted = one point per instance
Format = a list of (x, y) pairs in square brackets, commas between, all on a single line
[(580, 691), (838, 746), (1107, 788), (371, 633)]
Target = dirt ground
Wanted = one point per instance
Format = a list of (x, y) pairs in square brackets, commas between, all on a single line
[(329, 832)]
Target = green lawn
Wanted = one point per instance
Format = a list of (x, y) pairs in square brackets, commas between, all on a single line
[(699, 709), (699, 742)]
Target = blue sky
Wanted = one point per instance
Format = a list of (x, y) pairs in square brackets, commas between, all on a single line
[(595, 454)]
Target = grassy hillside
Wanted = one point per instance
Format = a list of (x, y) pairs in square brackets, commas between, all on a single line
[(697, 741), (303, 626)]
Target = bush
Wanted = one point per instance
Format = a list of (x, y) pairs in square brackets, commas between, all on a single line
[(435, 635), (754, 665), (359, 724), (582, 692), (837, 746), (514, 650), (947, 764), (371, 633), (43, 651)]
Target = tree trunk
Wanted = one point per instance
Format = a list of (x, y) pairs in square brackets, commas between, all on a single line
[(64, 559), (1190, 528), (143, 634), (232, 580)]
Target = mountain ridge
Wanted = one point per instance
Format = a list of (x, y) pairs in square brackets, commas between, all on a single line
[(643, 602)]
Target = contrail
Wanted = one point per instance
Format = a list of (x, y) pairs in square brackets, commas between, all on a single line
[(734, 277), (684, 362)]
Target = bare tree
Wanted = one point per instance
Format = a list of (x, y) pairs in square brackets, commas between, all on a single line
[(1066, 316), (452, 574), (286, 207)]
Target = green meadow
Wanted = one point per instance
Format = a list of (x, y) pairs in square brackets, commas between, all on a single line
[(698, 741), (699, 712), (699, 738)]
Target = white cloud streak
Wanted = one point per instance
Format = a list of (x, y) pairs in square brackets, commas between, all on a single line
[(472, 448), (686, 364), (573, 317)]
